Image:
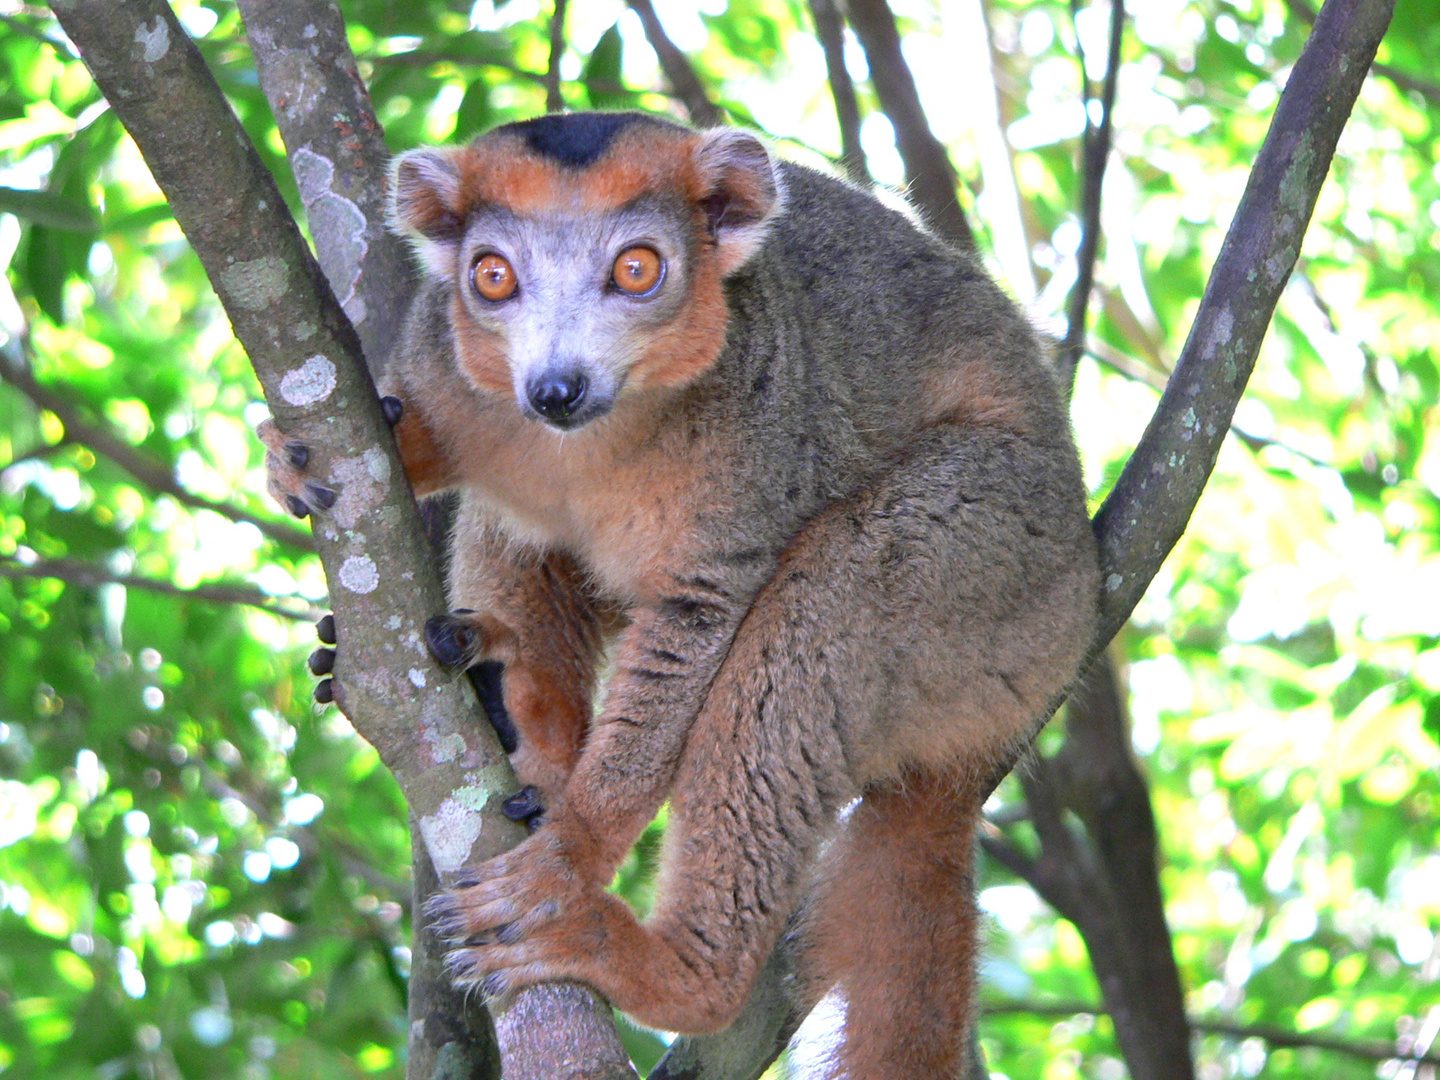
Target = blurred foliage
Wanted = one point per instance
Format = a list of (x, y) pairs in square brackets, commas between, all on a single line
[(204, 874)]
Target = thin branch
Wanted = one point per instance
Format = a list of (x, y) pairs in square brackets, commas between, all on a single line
[(1429, 90), (426, 57), (553, 101), (929, 175), (830, 29), (1366, 1049), (1405, 81), (88, 575), (678, 69), (1152, 502), (145, 469), (1138, 371), (1096, 156), (30, 30)]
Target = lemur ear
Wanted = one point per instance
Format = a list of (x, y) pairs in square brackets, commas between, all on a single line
[(426, 206), (744, 193)]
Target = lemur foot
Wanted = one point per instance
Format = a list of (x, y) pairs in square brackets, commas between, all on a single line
[(515, 919), (286, 461)]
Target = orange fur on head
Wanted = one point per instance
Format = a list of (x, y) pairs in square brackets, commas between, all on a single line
[(725, 175)]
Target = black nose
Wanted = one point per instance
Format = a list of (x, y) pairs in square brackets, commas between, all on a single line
[(556, 397)]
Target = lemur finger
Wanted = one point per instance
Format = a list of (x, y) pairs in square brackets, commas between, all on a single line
[(325, 629), (322, 661), (392, 408)]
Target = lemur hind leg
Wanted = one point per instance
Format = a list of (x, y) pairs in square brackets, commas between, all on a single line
[(889, 930)]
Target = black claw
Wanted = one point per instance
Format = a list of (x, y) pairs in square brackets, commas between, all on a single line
[(450, 641), (466, 882), (296, 507), (462, 968), (393, 408), (523, 805), (322, 661), (508, 933), (494, 984), (325, 691), (298, 454), (325, 629), (323, 496), (486, 678), (444, 923)]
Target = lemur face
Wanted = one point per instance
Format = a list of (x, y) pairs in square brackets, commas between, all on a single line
[(577, 299), (586, 253)]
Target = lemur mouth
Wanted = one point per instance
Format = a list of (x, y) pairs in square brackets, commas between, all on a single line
[(569, 421)]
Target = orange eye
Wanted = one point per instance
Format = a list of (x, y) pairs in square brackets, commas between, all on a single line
[(494, 278), (638, 270)]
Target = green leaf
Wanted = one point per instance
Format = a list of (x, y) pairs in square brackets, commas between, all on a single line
[(48, 209)]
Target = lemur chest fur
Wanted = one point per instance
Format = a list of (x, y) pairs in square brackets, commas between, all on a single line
[(618, 500)]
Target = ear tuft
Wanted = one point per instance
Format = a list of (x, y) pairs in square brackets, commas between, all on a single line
[(744, 192), (426, 206)]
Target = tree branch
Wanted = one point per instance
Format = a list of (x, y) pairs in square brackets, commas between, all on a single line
[(338, 155), (678, 70), (149, 472), (88, 575), (1405, 81), (931, 179), (830, 29), (1366, 1049), (553, 101), (1123, 920), (1151, 503), (328, 124), (1096, 155)]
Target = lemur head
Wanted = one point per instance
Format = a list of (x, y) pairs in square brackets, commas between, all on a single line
[(587, 251)]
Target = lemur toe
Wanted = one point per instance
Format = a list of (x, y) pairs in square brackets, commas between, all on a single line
[(325, 629), (322, 496), (322, 661), (452, 641), (525, 805), (392, 408)]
